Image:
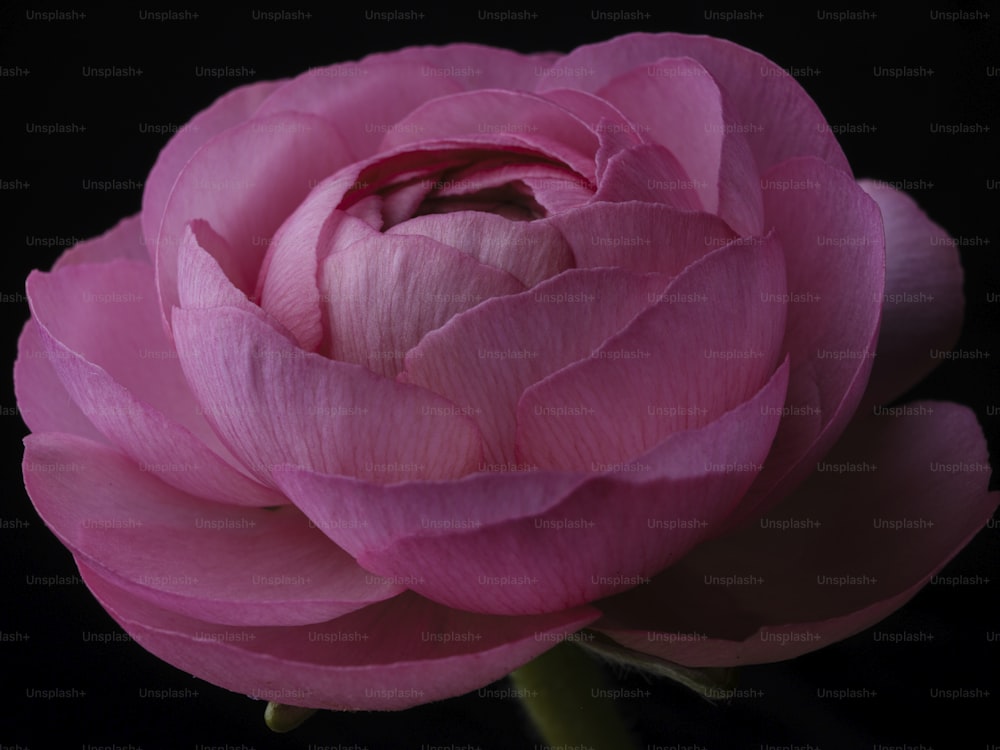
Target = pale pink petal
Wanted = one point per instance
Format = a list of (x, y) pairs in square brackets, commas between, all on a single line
[(537, 541), (389, 656), (123, 240), (288, 286), (649, 173), (923, 302), (42, 400), (482, 360), (831, 232), (245, 182), (100, 327), (228, 565), (707, 345), (201, 281), (273, 403), (677, 103), (229, 110), (531, 251), (894, 502), (383, 295), (640, 237), (761, 91)]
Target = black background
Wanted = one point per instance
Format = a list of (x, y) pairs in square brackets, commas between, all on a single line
[(44, 627)]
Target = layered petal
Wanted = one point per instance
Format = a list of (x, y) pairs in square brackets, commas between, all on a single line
[(539, 123), (923, 302), (908, 492), (245, 182), (484, 359), (229, 110), (123, 240), (540, 541), (100, 327), (529, 251), (273, 403), (640, 237), (383, 295), (42, 400), (288, 285), (678, 105), (832, 235), (223, 564), (389, 656), (649, 173), (706, 345), (761, 92)]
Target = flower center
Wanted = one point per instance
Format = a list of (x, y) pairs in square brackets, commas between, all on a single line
[(519, 185)]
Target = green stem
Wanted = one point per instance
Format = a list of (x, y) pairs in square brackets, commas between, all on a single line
[(563, 692), (281, 718)]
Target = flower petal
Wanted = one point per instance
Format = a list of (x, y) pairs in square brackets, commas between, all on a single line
[(123, 240), (706, 346), (288, 285), (389, 656), (908, 492), (245, 182), (538, 541), (922, 308), (100, 326), (649, 173), (530, 251), (383, 295), (229, 110), (228, 565), (483, 360), (761, 91), (42, 400), (273, 403), (538, 122), (677, 104), (640, 237), (834, 249), (376, 93)]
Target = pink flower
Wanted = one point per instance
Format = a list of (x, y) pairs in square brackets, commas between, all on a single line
[(413, 367)]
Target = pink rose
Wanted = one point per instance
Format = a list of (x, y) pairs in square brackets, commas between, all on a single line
[(406, 373)]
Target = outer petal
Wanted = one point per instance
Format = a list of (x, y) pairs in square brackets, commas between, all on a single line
[(274, 403), (922, 308), (539, 541), (474, 66), (227, 111), (761, 92), (707, 345), (832, 235), (893, 503), (42, 400), (245, 182), (389, 656), (235, 566), (100, 327), (123, 240)]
